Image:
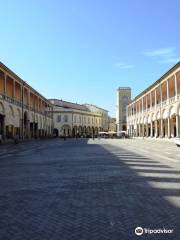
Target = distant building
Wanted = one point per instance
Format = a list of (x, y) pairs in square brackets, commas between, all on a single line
[(102, 112), (72, 119), (123, 99), (112, 125)]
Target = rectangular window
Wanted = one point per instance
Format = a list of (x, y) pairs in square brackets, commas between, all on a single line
[(59, 118), (65, 118)]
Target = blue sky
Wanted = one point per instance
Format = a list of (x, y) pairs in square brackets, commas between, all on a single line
[(83, 50)]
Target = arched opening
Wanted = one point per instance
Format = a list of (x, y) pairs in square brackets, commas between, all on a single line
[(172, 126), (55, 132), (124, 128), (1, 126), (75, 132), (79, 131), (93, 132), (88, 132), (25, 125), (9, 131), (149, 126), (2, 121), (10, 123), (18, 123), (66, 130)]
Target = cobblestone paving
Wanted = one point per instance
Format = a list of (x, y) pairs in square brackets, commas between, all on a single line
[(72, 190)]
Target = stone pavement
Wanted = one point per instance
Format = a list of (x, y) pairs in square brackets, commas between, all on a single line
[(83, 190)]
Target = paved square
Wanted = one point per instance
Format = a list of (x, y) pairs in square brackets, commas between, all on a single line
[(80, 189)]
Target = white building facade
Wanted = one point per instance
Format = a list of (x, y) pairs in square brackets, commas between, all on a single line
[(75, 120), (156, 111), (23, 111)]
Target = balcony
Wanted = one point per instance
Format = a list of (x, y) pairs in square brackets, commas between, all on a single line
[(164, 103), (19, 104), (172, 100)]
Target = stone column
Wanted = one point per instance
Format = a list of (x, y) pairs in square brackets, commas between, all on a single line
[(161, 128), (155, 96), (140, 130), (143, 129), (14, 88), (151, 129), (146, 129), (5, 83), (155, 128), (136, 130), (28, 129), (160, 93), (150, 100), (130, 130), (175, 86), (167, 89)]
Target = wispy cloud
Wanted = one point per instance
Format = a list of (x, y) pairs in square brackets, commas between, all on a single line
[(170, 60), (164, 55), (123, 65), (162, 52)]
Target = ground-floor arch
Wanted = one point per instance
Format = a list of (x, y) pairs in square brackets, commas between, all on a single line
[(2, 125), (66, 130), (55, 132)]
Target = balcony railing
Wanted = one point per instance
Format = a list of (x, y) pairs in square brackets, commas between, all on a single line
[(19, 104), (164, 103), (172, 100)]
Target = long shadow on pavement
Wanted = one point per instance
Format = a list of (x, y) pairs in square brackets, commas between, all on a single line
[(74, 190)]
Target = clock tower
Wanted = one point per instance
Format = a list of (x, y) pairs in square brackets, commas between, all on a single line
[(123, 99)]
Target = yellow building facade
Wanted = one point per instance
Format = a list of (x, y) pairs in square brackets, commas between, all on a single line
[(156, 111), (72, 119), (23, 111)]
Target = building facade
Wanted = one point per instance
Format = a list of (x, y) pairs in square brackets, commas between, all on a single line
[(123, 99), (23, 111), (71, 119), (156, 111), (112, 125)]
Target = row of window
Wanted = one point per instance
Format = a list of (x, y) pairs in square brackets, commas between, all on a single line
[(65, 118)]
